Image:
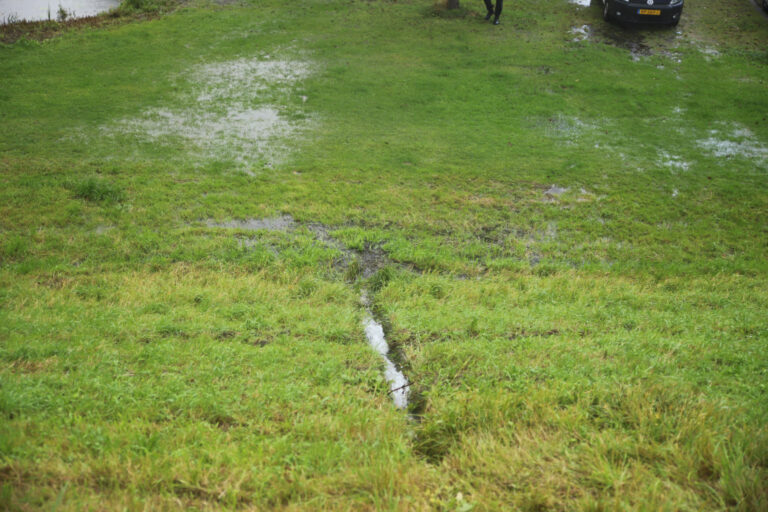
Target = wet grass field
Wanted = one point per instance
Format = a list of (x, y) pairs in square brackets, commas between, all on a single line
[(560, 224)]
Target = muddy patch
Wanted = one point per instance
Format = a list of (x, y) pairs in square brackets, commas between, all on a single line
[(641, 42), (243, 111), (354, 263), (367, 264)]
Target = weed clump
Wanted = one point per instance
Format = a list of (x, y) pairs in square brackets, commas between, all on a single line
[(381, 278), (96, 190)]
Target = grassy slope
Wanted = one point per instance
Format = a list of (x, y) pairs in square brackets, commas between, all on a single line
[(605, 349)]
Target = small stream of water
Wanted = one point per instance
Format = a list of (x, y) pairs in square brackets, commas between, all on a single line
[(399, 387)]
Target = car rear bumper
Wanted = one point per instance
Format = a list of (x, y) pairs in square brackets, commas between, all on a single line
[(630, 12)]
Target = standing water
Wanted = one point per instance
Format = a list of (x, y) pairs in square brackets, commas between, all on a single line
[(398, 384), (37, 10)]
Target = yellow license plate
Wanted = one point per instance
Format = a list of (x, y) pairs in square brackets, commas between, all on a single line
[(651, 12)]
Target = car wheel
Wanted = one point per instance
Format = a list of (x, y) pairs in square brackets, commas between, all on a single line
[(607, 13), (765, 5)]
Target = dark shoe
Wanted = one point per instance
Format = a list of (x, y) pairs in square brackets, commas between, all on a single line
[(495, 21), (488, 16)]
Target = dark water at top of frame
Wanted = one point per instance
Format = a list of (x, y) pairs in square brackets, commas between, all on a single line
[(36, 10)]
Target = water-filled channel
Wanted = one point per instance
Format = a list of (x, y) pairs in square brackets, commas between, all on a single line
[(398, 384), (36, 10)]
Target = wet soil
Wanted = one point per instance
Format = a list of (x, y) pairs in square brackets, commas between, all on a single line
[(358, 264), (640, 40), (223, 123)]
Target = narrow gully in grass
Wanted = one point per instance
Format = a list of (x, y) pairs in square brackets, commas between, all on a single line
[(369, 262), (399, 387)]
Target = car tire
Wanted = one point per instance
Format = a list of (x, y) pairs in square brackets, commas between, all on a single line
[(765, 5), (606, 10)]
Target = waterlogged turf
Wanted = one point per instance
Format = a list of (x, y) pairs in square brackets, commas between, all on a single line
[(560, 225)]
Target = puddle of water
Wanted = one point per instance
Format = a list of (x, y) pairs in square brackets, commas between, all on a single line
[(37, 10), (282, 223), (241, 79), (673, 161), (399, 387), (583, 3), (581, 33), (566, 128), (738, 141), (234, 113), (709, 52), (554, 191)]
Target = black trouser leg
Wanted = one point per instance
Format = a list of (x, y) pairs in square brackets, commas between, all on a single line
[(499, 4), (489, 5)]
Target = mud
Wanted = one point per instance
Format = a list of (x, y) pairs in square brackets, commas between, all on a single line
[(640, 41), (359, 264), (368, 262)]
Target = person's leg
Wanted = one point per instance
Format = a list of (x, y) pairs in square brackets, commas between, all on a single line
[(497, 13), (489, 7)]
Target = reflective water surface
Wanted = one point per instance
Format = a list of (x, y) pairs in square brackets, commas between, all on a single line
[(36, 10), (398, 384)]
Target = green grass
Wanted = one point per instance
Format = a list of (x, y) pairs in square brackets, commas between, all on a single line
[(601, 349)]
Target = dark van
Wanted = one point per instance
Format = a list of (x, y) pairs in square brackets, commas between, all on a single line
[(661, 12)]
